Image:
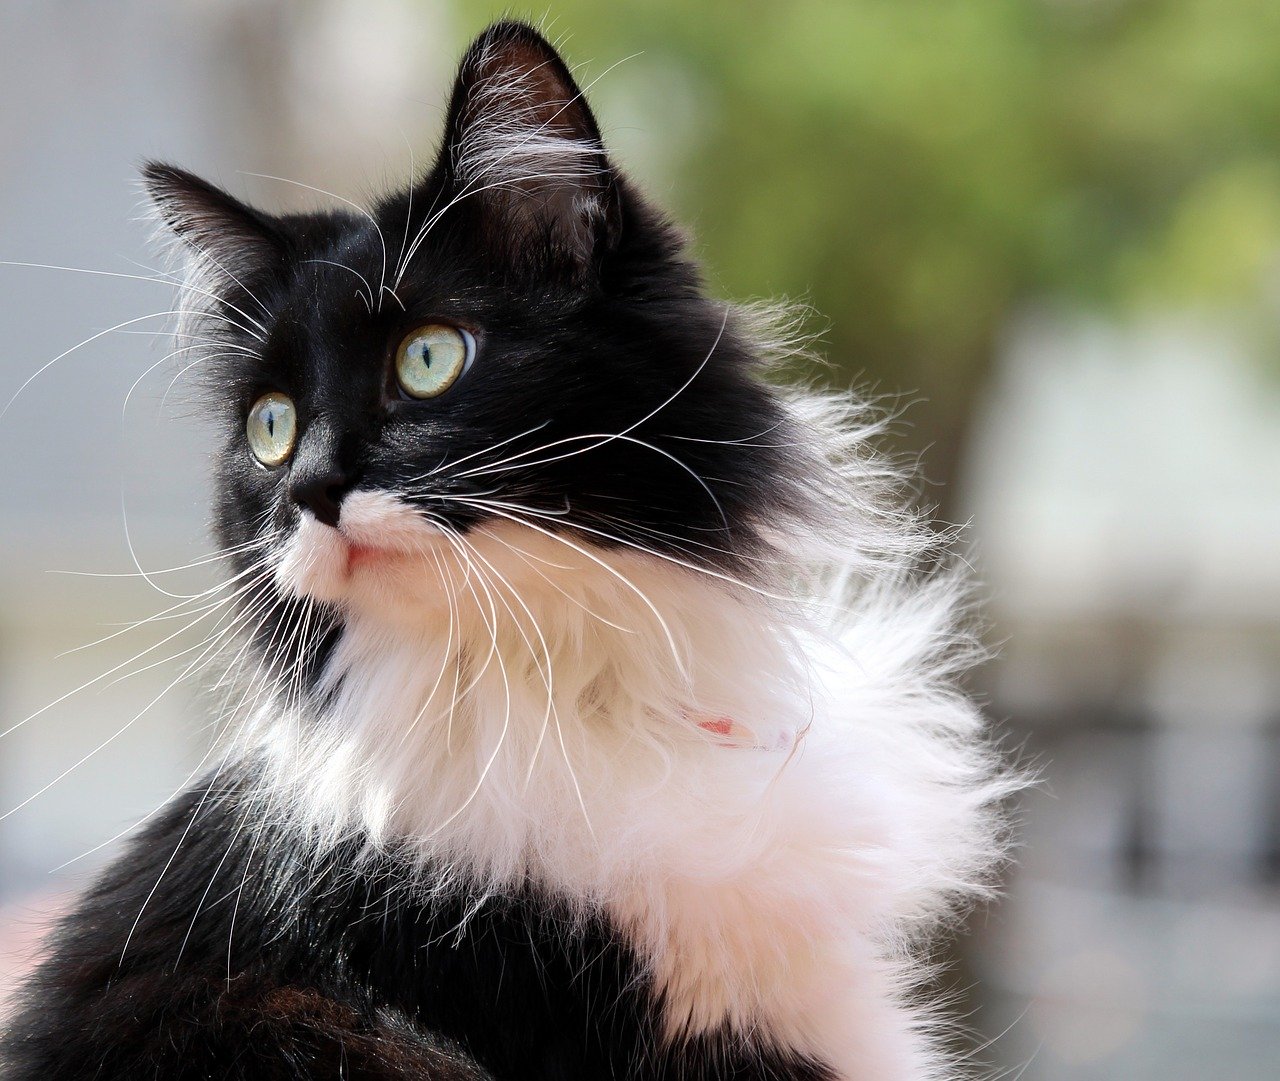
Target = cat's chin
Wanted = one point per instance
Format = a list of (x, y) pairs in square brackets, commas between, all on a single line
[(380, 546)]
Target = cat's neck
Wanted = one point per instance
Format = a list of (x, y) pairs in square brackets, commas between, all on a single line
[(515, 729)]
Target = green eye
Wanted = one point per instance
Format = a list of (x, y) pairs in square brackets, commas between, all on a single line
[(431, 358), (272, 428)]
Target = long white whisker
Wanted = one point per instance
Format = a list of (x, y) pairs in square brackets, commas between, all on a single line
[(676, 655), (483, 450), (531, 561), (710, 572), (203, 359), (102, 676), (124, 406), (67, 352), (448, 656), (220, 630), (601, 441), (349, 270), (506, 720), (168, 279), (208, 256), (213, 557), (355, 206), (548, 678), (610, 436), (114, 735), (235, 836), (184, 609)]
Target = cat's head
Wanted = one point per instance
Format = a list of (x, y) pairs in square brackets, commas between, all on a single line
[(514, 345)]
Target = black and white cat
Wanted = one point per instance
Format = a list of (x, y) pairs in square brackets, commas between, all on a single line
[(593, 712)]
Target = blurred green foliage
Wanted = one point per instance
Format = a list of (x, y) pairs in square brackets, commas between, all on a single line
[(916, 169)]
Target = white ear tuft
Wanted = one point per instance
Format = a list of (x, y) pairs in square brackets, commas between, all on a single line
[(521, 139)]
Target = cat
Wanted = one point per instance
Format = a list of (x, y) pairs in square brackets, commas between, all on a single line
[(591, 703)]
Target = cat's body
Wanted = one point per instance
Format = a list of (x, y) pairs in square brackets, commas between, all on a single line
[(337, 971), (589, 718)]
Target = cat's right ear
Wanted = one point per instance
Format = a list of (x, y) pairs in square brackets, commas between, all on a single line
[(231, 234), (521, 141)]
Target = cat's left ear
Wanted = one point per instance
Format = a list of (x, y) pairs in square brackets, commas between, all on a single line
[(521, 142), (235, 236)]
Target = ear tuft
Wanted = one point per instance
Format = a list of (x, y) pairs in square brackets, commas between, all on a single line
[(214, 224), (521, 139)]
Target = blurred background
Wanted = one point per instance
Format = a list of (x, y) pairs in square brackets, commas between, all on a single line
[(1049, 229)]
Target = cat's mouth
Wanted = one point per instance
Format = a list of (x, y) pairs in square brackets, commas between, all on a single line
[(376, 533)]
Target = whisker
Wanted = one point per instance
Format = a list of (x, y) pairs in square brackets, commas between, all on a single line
[(101, 676), (355, 206), (491, 505), (551, 712), (473, 454), (182, 610), (110, 739), (213, 877), (167, 279), (349, 270), (218, 632), (124, 407), (448, 656), (602, 440), (195, 815), (67, 352), (681, 664), (506, 720), (529, 560), (207, 256), (203, 359)]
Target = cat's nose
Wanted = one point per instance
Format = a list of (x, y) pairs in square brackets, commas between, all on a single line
[(321, 491)]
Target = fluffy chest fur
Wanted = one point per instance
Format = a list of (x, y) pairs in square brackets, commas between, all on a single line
[(536, 711)]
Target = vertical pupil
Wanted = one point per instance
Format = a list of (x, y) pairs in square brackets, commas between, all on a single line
[(271, 422), (426, 354)]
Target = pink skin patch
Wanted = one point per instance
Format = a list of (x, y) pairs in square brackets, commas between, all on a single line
[(733, 734), (358, 554), (721, 726)]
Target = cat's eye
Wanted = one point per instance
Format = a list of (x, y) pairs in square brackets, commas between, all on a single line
[(272, 428), (431, 358)]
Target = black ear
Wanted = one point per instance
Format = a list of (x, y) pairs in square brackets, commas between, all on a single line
[(521, 141), (235, 237)]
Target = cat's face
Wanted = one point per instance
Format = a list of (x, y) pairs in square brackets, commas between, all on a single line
[(513, 346)]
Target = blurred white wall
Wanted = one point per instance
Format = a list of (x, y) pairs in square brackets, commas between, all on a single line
[(1124, 501)]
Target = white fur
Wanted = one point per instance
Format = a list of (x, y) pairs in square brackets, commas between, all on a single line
[(517, 126), (530, 707)]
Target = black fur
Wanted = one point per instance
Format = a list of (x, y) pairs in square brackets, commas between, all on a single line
[(247, 959)]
